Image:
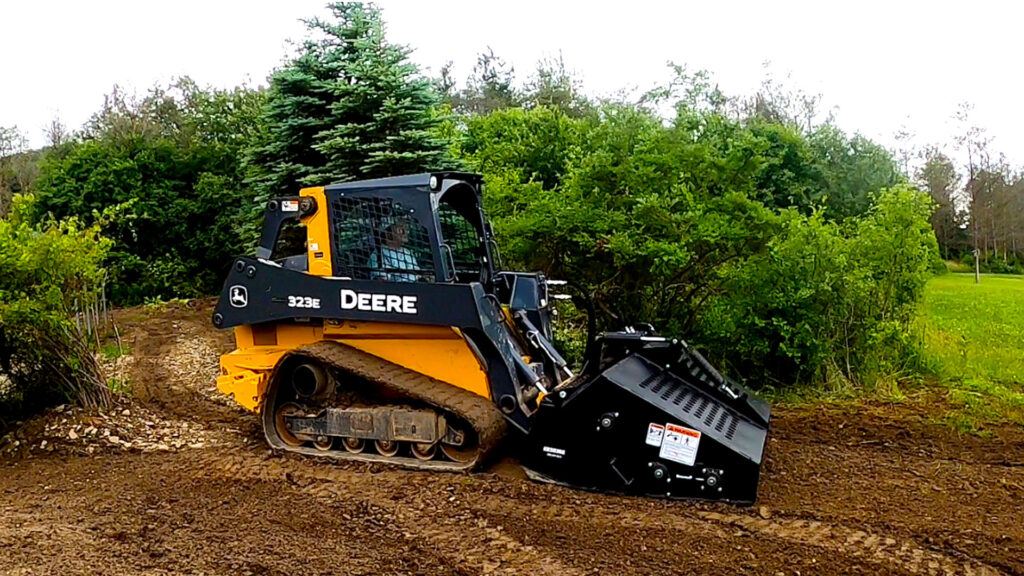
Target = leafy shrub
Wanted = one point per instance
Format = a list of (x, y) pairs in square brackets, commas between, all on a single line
[(1000, 265), (47, 267), (629, 216), (717, 230), (825, 299), (170, 163)]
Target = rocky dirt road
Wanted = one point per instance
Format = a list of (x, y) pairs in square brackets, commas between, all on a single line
[(189, 488)]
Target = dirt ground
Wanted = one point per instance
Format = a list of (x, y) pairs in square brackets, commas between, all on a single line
[(187, 486)]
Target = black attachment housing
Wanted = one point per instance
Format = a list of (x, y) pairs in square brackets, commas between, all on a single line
[(653, 421)]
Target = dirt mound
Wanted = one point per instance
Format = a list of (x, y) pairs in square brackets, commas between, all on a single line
[(853, 489)]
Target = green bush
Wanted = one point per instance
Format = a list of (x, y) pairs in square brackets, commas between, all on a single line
[(827, 300), (47, 269), (719, 230), (170, 163), (1000, 265)]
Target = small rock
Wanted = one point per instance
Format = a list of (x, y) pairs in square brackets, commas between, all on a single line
[(126, 412), (72, 435), (764, 512), (42, 444), (113, 439)]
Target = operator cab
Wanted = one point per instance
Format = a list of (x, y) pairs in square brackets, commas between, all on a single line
[(420, 228)]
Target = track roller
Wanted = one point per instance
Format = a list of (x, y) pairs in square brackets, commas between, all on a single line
[(424, 451), (460, 454), (386, 447), (354, 445)]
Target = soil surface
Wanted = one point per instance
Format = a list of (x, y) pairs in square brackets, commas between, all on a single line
[(188, 486)]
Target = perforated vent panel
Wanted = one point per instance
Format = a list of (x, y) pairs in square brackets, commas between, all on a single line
[(668, 388)]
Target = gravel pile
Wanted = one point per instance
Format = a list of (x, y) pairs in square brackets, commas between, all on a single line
[(126, 427), (167, 398)]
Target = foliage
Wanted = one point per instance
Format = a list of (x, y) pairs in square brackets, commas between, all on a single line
[(48, 267), (852, 168), (970, 336), (827, 300), (537, 145), (554, 86), (18, 166), (939, 178), (996, 219), (489, 88), (980, 204), (714, 228), (169, 164), (349, 106), (606, 208)]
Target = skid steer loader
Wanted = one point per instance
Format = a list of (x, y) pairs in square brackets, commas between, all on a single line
[(374, 325)]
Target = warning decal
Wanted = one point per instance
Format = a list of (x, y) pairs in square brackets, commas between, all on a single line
[(289, 206), (654, 434), (680, 444)]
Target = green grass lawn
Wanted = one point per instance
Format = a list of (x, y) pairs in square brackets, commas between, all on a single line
[(973, 341)]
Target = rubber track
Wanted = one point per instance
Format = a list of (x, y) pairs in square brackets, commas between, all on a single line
[(476, 410)]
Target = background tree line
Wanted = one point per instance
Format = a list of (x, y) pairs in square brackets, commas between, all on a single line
[(754, 226), (981, 206)]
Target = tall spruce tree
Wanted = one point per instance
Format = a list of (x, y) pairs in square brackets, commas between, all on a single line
[(350, 105)]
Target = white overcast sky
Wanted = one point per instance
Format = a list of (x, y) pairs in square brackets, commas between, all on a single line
[(885, 65)]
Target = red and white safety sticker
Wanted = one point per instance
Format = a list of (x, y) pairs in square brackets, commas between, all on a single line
[(680, 444), (654, 434)]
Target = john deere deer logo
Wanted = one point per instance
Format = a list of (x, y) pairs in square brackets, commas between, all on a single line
[(239, 296)]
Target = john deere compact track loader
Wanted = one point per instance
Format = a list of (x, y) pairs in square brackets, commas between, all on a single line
[(374, 325)]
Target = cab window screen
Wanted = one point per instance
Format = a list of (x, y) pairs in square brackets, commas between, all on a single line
[(463, 240), (379, 239)]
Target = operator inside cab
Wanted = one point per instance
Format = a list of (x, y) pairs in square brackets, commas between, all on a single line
[(390, 260)]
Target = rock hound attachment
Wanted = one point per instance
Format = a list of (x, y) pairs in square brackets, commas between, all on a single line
[(657, 420)]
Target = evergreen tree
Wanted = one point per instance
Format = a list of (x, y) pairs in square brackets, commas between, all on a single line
[(350, 105), (490, 87)]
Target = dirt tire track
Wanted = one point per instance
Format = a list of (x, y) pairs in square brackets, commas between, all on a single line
[(869, 545), (859, 543), (472, 554), (872, 546)]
